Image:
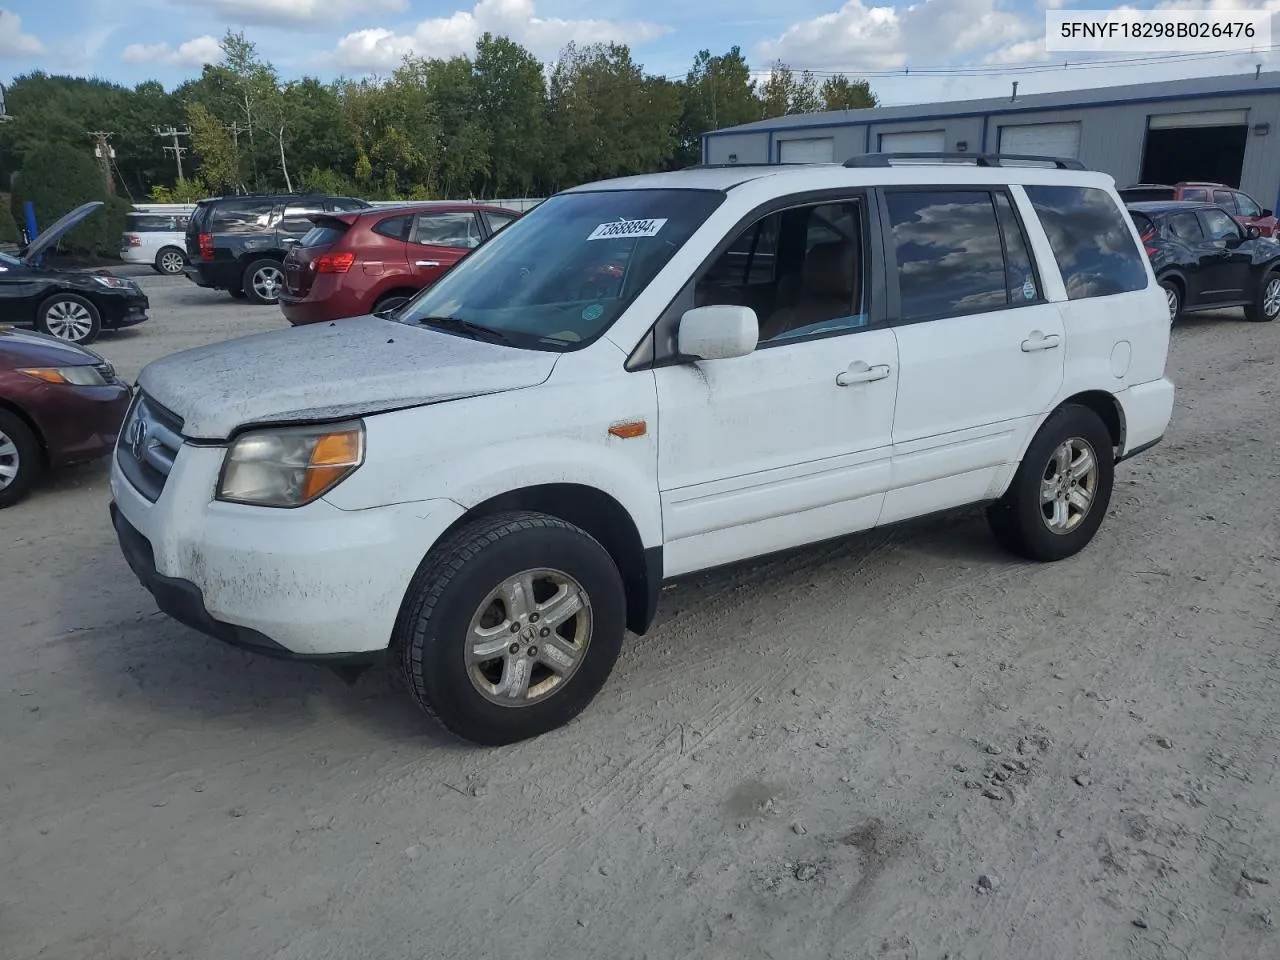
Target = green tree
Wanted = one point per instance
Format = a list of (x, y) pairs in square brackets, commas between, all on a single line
[(718, 92), (841, 93), (8, 226), (56, 181), (784, 93), (215, 149), (509, 96), (184, 191)]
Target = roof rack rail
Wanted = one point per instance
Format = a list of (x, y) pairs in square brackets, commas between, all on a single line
[(978, 159)]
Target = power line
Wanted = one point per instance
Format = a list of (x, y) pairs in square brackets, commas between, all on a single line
[(105, 154), (176, 149)]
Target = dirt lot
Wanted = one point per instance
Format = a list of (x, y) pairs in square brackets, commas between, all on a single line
[(819, 756)]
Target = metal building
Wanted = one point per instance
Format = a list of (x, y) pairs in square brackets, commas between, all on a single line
[(1222, 129)]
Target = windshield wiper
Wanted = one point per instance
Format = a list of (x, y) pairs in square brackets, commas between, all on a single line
[(458, 325)]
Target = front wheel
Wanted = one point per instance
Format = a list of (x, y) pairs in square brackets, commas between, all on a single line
[(511, 627), (1266, 305), (69, 317), (1061, 491), (20, 461), (263, 280)]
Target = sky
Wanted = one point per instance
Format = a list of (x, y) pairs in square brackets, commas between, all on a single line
[(894, 44)]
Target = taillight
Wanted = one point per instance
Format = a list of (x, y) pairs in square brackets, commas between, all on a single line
[(133, 240), (335, 262), (206, 246)]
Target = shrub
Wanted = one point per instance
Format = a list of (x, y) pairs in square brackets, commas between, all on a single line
[(8, 226)]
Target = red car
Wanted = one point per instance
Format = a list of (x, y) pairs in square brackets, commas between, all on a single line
[(1237, 203), (59, 404), (368, 261)]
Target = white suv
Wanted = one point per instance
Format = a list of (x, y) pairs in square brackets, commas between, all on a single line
[(639, 379)]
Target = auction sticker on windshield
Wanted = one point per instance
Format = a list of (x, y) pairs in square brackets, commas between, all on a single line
[(627, 229)]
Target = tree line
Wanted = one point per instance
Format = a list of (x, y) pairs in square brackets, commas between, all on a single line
[(497, 123)]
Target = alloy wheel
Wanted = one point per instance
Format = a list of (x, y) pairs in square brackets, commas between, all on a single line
[(171, 262), (69, 320), (1171, 295), (10, 461), (267, 282), (1069, 485), (1271, 298)]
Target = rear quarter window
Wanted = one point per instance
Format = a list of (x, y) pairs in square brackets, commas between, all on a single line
[(1091, 241), (155, 223), (322, 236)]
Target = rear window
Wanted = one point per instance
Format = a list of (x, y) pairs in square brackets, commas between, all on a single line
[(242, 216), (1146, 228), (155, 223), (323, 235), (1091, 241), (1201, 196)]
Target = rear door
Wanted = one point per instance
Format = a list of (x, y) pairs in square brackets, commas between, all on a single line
[(439, 239), (1225, 266), (1184, 230), (981, 348)]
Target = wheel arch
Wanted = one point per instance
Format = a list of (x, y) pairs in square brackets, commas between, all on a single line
[(8, 406), (395, 290), (1108, 409), (1175, 277), (605, 519)]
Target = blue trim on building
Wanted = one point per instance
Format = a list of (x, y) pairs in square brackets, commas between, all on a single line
[(1047, 108), (982, 147), (769, 151), (866, 140)]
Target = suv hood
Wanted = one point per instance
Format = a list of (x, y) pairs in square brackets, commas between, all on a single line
[(354, 367), (50, 235)]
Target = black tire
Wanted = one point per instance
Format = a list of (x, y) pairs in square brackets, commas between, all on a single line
[(447, 592), (1019, 520), (170, 261), (1173, 295), (391, 301), (237, 294), (255, 284), (1260, 310), (19, 448), (55, 317)]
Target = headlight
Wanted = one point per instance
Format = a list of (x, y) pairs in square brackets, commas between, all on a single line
[(115, 283), (290, 466), (85, 376)]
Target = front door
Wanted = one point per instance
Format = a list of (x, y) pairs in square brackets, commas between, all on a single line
[(439, 240), (789, 444), (1225, 258), (981, 351)]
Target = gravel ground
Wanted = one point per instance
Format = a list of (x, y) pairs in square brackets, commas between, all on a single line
[(898, 745)]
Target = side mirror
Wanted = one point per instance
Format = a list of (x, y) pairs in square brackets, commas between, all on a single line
[(1252, 232), (1268, 213), (717, 333)]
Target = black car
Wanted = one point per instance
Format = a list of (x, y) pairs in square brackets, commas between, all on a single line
[(1205, 259), (71, 305), (239, 244)]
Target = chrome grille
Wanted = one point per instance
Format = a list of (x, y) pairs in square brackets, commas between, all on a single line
[(148, 444)]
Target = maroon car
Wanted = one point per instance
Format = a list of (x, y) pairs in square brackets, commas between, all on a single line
[(59, 404)]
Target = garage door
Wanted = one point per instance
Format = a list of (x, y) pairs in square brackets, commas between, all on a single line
[(914, 141), (1042, 139), (1201, 118), (807, 151)]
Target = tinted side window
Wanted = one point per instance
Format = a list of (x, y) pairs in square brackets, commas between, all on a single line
[(1219, 225), (295, 217), (1019, 270), (1091, 241), (397, 228), (1200, 196), (1247, 206), (155, 223), (948, 248), (1225, 199), (243, 216), (497, 221), (1186, 227), (447, 229)]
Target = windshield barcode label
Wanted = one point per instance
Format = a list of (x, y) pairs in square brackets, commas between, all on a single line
[(626, 229)]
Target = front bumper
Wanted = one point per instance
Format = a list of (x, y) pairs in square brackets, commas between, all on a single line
[(124, 310), (312, 583), (80, 424)]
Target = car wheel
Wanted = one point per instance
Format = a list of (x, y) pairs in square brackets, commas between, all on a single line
[(1173, 296), (1061, 491), (20, 460), (263, 280), (390, 302), (238, 294), (170, 261), (1266, 306), (511, 627), (69, 317)]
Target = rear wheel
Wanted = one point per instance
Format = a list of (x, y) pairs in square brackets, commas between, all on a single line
[(20, 461), (69, 317), (1061, 491), (1173, 296), (263, 280), (170, 261), (511, 627), (390, 302), (1266, 305)]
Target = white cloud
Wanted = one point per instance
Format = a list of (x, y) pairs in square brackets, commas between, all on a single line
[(381, 49), (13, 42), (193, 53), (295, 12)]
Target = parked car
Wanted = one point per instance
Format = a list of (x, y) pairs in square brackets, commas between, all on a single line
[(59, 404), (158, 239), (1236, 202), (1207, 260), (493, 485), (238, 244), (349, 264), (72, 305)]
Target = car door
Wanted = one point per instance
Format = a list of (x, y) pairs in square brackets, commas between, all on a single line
[(789, 444), (1196, 254), (21, 290), (1225, 266), (439, 240), (1251, 213), (980, 348)]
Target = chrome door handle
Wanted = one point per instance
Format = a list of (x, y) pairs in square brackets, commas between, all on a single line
[(427, 263), (1041, 342), (859, 372)]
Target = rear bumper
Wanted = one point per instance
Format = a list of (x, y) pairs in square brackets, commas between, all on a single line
[(228, 275), (302, 310), (1148, 408)]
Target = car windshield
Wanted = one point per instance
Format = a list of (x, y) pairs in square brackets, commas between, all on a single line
[(9, 261), (560, 275)]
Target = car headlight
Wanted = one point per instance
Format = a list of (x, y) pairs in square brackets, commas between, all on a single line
[(81, 376), (290, 466), (115, 283)]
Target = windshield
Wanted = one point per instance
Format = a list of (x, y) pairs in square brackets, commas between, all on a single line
[(561, 274), (9, 261)]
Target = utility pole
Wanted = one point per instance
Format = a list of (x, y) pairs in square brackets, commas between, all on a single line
[(104, 153), (165, 133)]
